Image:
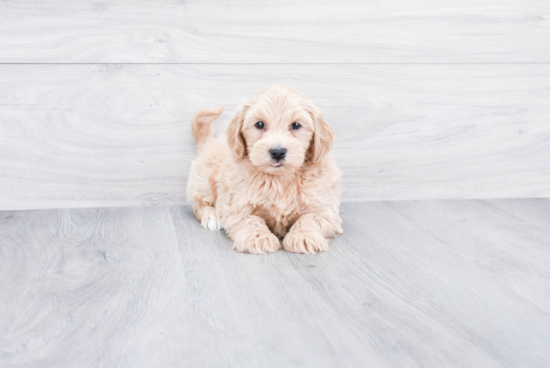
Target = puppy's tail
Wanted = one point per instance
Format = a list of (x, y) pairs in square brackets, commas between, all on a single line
[(201, 125)]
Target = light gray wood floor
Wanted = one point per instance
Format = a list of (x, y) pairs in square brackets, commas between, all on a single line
[(408, 284)]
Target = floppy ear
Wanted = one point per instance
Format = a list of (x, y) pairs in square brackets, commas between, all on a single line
[(323, 137), (235, 139)]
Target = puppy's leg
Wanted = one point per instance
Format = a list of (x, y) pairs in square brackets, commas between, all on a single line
[(204, 208), (309, 233), (250, 234), (202, 192)]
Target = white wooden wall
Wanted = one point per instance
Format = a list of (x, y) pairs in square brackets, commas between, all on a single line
[(429, 99)]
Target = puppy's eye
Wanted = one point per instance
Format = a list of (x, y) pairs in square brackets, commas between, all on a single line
[(260, 125), (295, 126)]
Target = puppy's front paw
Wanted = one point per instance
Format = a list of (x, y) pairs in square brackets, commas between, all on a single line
[(305, 242), (257, 242)]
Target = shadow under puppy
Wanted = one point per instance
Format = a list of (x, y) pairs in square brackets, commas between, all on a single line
[(270, 177)]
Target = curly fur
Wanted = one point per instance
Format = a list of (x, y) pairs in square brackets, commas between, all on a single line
[(236, 185)]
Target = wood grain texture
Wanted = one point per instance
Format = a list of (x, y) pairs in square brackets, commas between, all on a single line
[(282, 31), (408, 284), (118, 135)]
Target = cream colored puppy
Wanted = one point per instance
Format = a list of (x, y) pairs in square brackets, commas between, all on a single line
[(270, 177)]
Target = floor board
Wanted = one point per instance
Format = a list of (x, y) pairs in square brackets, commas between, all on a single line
[(282, 31), (119, 135), (408, 284)]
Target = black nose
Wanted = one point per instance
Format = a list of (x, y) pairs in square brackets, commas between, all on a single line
[(278, 153)]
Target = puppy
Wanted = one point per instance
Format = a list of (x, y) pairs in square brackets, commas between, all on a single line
[(270, 177)]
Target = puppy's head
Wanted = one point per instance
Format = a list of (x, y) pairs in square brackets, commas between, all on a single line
[(279, 130)]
